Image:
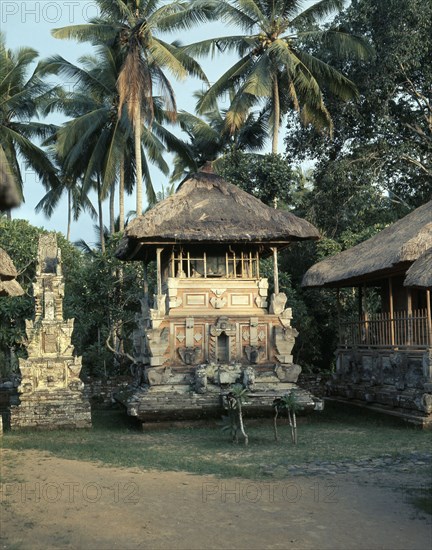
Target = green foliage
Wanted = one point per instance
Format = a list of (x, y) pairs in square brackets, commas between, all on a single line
[(21, 94), (275, 66), (239, 392), (210, 140), (103, 297), (290, 402), (20, 240), (382, 142), (268, 177), (101, 293)]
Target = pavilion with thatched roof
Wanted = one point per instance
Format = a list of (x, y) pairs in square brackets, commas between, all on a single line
[(385, 355), (419, 275), (8, 284), (207, 209), (211, 324)]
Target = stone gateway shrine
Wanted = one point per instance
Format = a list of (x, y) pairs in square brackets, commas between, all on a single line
[(211, 323), (51, 393)]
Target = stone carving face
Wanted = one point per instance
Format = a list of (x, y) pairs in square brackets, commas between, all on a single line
[(189, 355)]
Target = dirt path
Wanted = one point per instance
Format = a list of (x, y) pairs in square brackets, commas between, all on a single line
[(53, 503)]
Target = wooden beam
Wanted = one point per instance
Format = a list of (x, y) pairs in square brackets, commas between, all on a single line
[(275, 269), (145, 289), (159, 270), (409, 336), (392, 326)]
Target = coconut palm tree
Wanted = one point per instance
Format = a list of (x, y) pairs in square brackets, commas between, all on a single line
[(209, 137), (96, 146), (20, 97), (131, 27), (90, 147), (275, 65), (77, 201)]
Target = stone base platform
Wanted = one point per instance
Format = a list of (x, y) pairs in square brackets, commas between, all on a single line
[(158, 403), (51, 410), (397, 382), (405, 415)]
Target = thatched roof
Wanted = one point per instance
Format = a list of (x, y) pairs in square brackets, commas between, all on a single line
[(391, 251), (11, 288), (7, 268), (420, 273), (9, 197), (207, 209), (8, 285)]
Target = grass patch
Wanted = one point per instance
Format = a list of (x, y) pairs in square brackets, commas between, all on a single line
[(422, 499), (337, 434)]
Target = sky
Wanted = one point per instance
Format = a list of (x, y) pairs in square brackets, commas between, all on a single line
[(29, 23)]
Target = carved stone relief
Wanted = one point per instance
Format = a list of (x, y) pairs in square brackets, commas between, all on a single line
[(51, 366), (284, 343), (277, 303)]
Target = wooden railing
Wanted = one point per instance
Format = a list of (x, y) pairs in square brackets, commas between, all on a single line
[(382, 330)]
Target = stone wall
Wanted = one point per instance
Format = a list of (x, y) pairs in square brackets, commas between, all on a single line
[(316, 384), (396, 380), (101, 391), (47, 410)]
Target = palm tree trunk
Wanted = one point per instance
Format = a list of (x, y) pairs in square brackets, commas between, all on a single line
[(101, 225), (69, 216), (137, 136), (276, 114), (121, 194), (111, 209)]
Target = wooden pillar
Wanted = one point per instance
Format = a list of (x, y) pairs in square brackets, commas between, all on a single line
[(338, 306), (367, 336), (360, 303), (145, 286), (159, 270), (392, 325), (409, 300), (275, 270), (172, 263), (409, 336)]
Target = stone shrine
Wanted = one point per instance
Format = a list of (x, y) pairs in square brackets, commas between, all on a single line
[(51, 393), (212, 323)]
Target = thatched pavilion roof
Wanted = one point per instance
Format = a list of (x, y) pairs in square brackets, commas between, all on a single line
[(207, 209), (391, 251), (11, 288), (7, 268), (8, 285), (8, 192), (420, 273)]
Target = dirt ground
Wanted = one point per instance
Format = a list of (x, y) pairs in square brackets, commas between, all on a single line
[(53, 503)]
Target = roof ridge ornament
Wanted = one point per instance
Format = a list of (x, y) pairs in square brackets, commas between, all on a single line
[(207, 167)]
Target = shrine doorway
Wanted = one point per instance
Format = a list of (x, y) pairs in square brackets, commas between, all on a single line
[(222, 354)]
